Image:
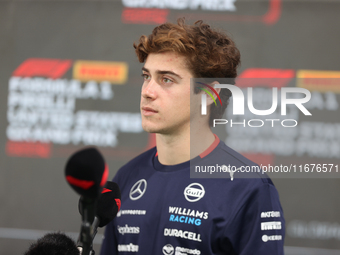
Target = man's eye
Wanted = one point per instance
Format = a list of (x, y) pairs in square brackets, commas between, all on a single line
[(166, 80), (145, 76)]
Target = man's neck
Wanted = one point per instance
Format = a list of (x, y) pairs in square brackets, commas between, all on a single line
[(175, 149)]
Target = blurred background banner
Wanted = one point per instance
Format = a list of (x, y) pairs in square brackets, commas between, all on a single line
[(69, 78)]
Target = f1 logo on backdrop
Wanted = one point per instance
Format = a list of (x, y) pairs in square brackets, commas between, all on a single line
[(42, 111)]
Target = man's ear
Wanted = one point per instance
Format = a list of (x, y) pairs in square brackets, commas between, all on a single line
[(218, 90)]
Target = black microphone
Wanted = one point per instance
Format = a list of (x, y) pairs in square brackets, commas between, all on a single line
[(87, 173), (108, 205)]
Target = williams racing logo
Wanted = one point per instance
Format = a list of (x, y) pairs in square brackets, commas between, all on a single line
[(187, 216)]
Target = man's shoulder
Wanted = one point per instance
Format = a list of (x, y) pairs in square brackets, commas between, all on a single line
[(234, 156), (240, 165), (142, 160)]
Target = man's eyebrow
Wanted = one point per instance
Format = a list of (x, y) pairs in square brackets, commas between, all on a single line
[(163, 72)]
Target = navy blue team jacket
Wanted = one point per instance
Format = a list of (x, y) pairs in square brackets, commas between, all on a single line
[(165, 212)]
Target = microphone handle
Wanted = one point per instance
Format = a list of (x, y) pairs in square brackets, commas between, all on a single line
[(95, 227), (80, 249), (86, 232), (88, 206), (94, 232), (85, 240)]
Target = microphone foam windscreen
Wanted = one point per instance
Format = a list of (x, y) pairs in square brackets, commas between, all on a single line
[(108, 204), (87, 172)]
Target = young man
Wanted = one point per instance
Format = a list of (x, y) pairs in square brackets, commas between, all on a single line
[(163, 210)]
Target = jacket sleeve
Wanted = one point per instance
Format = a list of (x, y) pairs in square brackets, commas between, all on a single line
[(259, 227)]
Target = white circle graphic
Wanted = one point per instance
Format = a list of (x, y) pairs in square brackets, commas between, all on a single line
[(194, 192), (168, 249), (264, 238)]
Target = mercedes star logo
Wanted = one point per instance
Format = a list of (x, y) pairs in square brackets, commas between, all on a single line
[(138, 189)]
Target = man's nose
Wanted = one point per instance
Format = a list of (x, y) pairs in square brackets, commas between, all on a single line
[(149, 89)]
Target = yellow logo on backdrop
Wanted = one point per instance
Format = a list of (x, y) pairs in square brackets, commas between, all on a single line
[(321, 81), (114, 72)]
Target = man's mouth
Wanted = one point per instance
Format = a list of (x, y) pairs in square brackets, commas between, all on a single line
[(147, 111)]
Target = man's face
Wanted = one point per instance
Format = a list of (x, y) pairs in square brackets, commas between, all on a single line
[(165, 97)]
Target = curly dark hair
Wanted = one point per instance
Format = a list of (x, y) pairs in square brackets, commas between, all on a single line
[(53, 244), (209, 53)]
